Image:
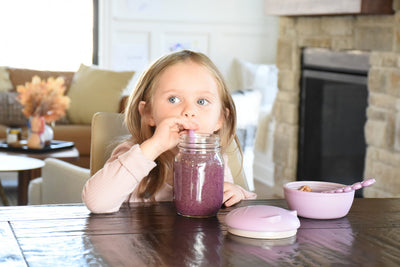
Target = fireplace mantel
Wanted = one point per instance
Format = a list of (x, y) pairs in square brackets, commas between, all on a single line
[(327, 7)]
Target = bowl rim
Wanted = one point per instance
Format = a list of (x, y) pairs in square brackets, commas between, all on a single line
[(286, 187)]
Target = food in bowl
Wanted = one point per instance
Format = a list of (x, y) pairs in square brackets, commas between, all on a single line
[(315, 204), (305, 188)]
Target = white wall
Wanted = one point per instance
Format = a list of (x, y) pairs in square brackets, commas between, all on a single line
[(133, 33), (43, 35)]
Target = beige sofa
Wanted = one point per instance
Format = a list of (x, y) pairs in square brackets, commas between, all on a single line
[(90, 90)]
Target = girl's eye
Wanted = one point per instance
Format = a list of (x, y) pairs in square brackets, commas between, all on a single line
[(173, 99), (202, 102)]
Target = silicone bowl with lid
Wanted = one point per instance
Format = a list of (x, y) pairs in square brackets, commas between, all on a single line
[(262, 221), (317, 205)]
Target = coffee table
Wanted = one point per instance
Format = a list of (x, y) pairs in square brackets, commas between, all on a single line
[(27, 168), (25, 176), (67, 154)]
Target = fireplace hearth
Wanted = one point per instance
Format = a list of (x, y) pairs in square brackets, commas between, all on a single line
[(333, 104)]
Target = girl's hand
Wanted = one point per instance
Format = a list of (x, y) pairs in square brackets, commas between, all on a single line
[(166, 136), (232, 194), (168, 131)]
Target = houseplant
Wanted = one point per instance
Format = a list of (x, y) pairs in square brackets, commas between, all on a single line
[(43, 102)]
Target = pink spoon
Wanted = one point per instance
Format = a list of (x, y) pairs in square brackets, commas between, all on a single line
[(355, 186)]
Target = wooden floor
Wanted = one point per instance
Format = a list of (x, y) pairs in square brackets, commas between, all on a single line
[(263, 191), (10, 188)]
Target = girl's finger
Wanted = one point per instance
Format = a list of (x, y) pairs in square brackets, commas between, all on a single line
[(227, 195), (186, 124), (232, 201)]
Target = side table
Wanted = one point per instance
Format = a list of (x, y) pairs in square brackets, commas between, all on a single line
[(27, 168), (69, 155)]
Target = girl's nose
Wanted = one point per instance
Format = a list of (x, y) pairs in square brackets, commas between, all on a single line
[(189, 114), (189, 111)]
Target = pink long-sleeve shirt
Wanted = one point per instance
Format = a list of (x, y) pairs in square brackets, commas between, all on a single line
[(117, 181)]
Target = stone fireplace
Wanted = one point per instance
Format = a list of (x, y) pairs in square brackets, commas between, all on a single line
[(332, 116), (380, 36)]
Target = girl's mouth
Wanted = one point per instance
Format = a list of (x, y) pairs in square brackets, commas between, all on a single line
[(180, 129)]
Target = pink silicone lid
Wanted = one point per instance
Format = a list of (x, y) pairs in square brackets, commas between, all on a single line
[(262, 218)]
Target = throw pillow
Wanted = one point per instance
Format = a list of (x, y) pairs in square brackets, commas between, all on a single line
[(5, 82), (93, 90), (11, 110), (261, 77)]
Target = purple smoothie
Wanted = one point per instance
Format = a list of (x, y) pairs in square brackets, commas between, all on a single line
[(198, 184)]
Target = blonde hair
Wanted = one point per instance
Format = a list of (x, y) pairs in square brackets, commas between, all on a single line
[(141, 131)]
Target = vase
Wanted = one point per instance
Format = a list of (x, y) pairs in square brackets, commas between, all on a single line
[(36, 132), (48, 134)]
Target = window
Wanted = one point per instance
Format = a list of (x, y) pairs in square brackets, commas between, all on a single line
[(47, 34)]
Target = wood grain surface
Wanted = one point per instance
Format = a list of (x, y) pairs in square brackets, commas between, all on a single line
[(154, 235)]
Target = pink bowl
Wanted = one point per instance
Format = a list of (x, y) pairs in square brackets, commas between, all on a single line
[(317, 205)]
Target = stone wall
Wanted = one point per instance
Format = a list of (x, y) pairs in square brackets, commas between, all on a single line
[(379, 35)]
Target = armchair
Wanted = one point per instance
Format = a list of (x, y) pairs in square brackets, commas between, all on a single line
[(62, 182)]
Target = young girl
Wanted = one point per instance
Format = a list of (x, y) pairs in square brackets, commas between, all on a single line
[(179, 92)]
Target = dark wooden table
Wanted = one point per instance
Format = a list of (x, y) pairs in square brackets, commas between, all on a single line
[(153, 235)]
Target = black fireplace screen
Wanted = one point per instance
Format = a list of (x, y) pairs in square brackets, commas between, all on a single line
[(333, 104)]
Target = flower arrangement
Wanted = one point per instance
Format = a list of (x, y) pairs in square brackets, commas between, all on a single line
[(43, 98)]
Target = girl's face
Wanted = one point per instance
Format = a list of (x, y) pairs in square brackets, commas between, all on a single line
[(187, 89)]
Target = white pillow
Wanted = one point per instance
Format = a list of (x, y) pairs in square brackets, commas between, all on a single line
[(5, 82), (247, 104), (261, 77)]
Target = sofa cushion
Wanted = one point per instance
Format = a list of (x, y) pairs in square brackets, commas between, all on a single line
[(93, 90), (22, 76), (11, 110), (5, 82)]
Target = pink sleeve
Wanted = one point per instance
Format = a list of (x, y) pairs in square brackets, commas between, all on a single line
[(227, 172), (229, 178), (107, 189)]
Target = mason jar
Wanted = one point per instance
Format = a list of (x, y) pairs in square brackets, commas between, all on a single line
[(198, 175), (13, 135)]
